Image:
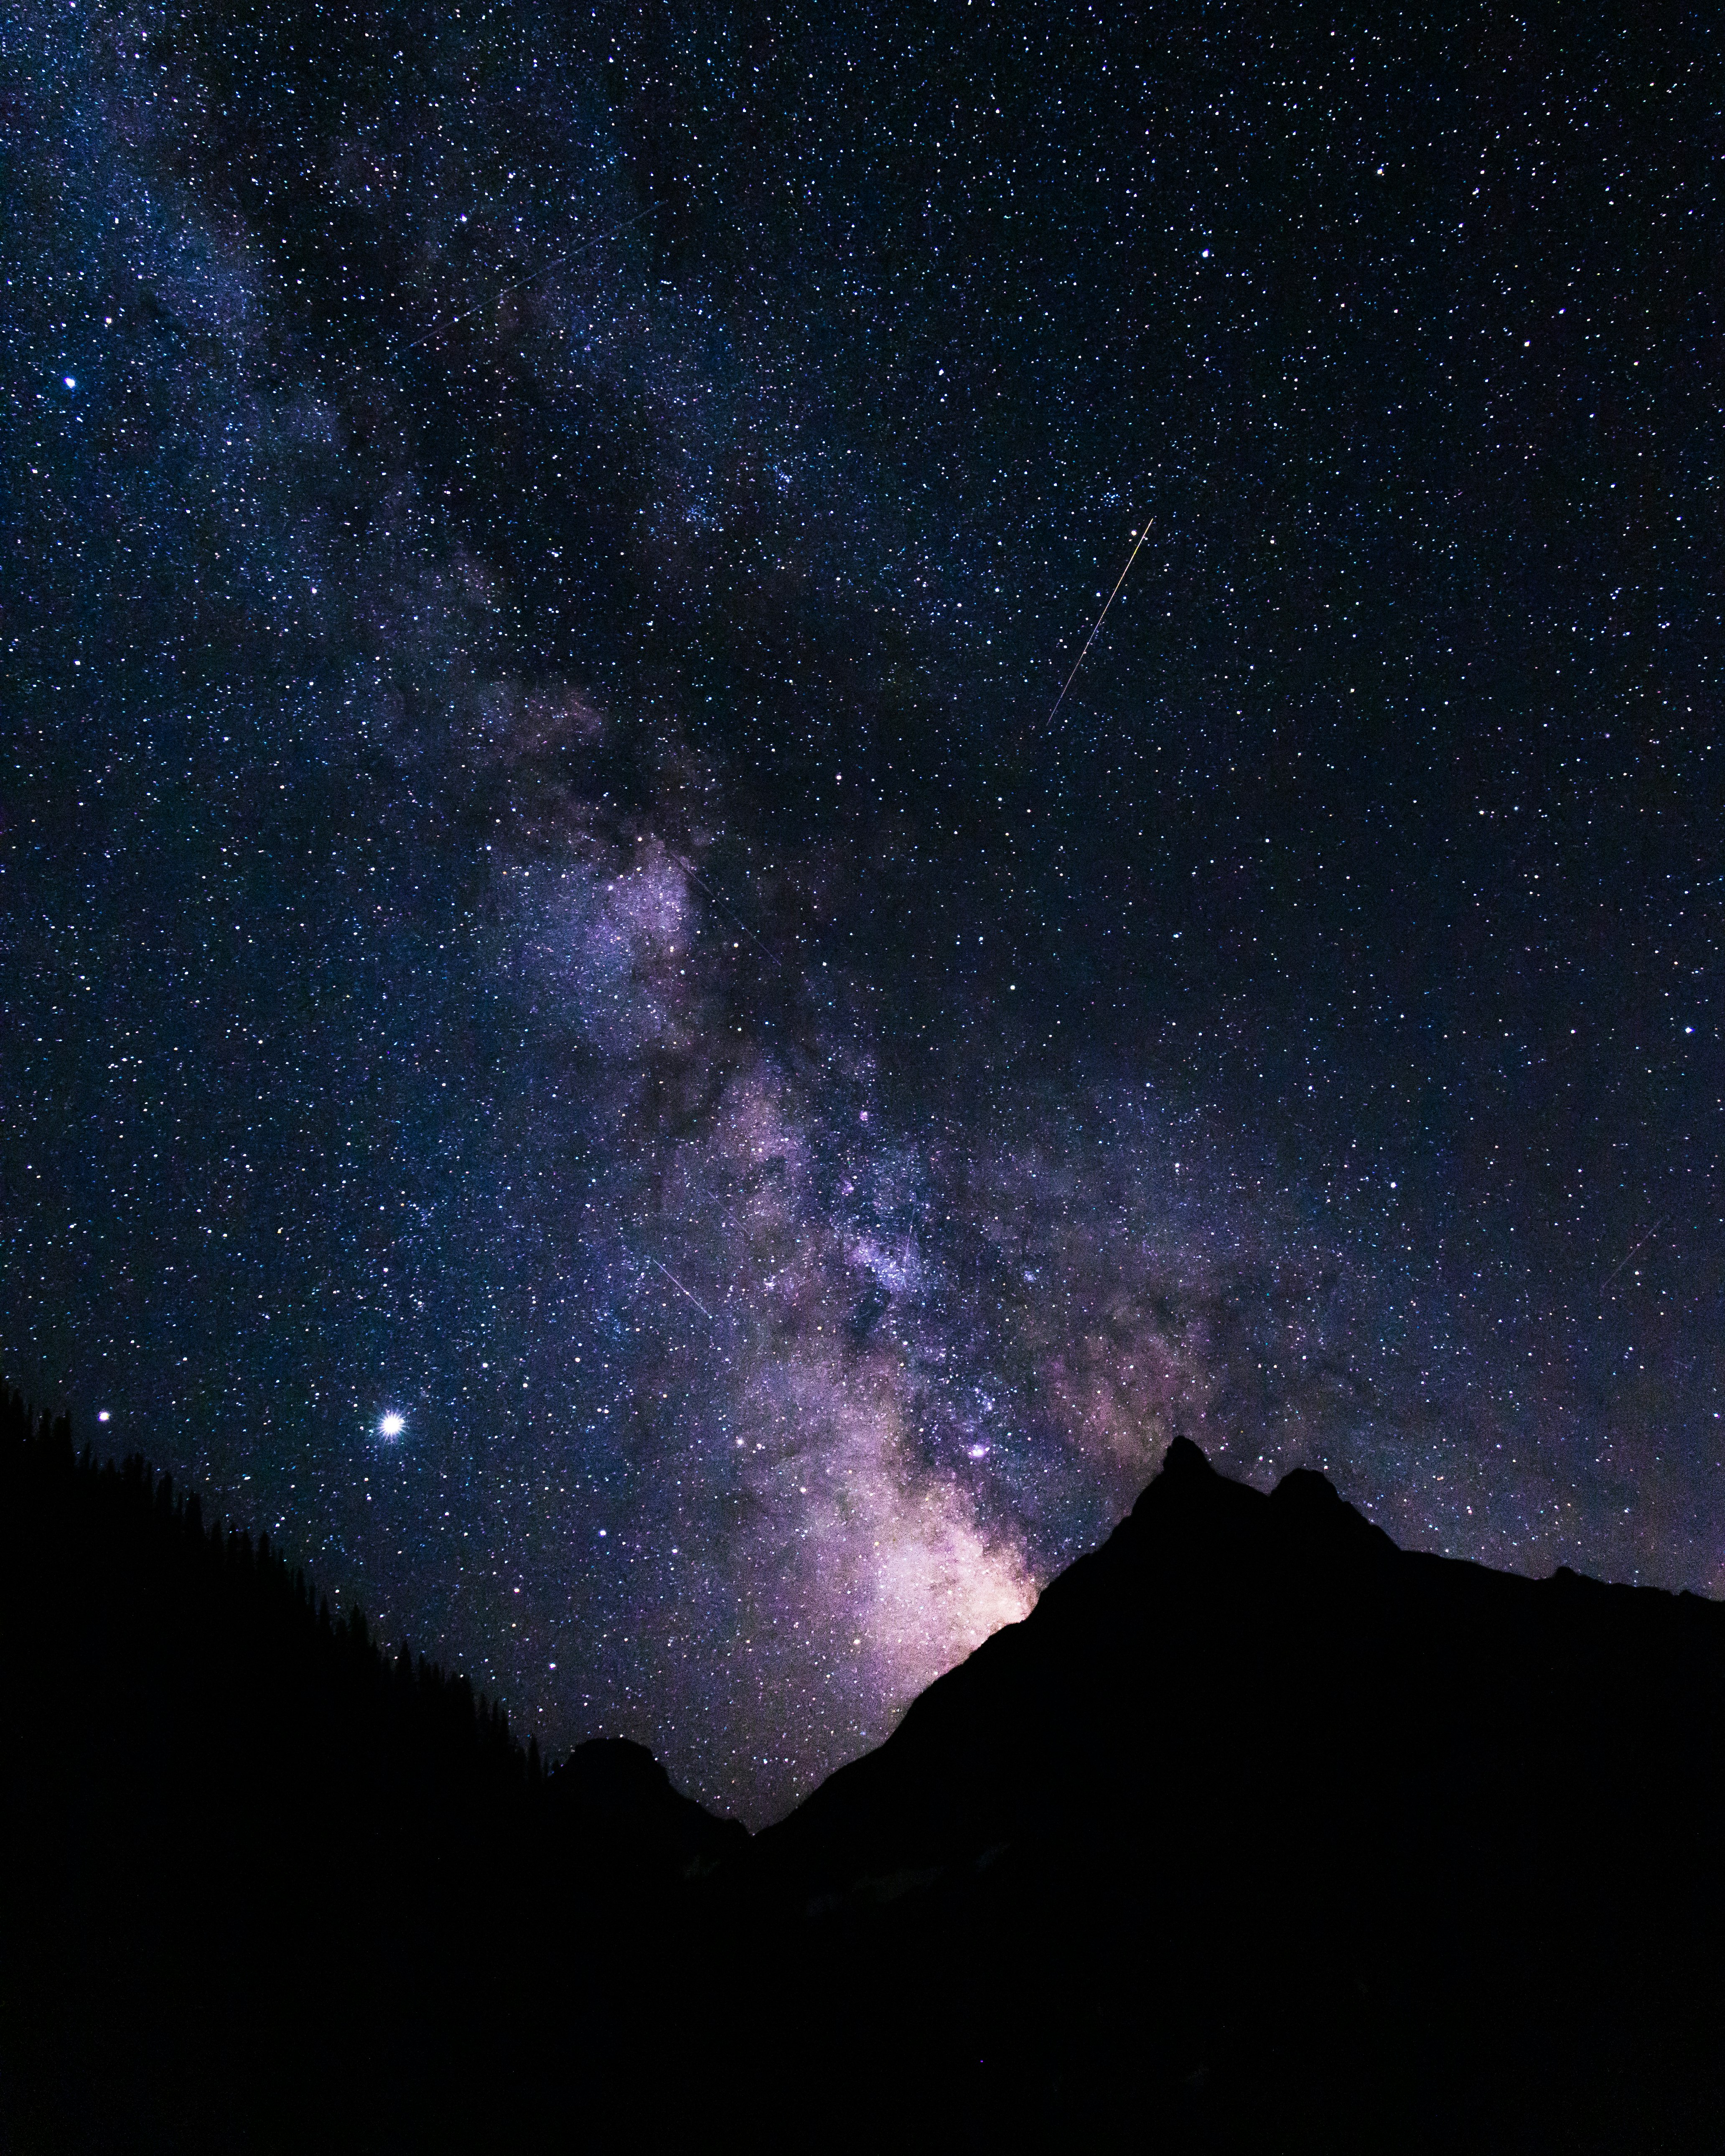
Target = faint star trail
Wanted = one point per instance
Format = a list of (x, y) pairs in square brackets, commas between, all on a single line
[(1098, 624)]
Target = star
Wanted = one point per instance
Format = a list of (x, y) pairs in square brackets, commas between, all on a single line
[(575, 990)]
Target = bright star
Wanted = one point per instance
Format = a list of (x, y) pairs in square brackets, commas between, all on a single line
[(392, 1426)]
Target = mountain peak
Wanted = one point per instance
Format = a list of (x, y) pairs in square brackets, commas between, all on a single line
[(1184, 1460), (1185, 1469), (1305, 1489)]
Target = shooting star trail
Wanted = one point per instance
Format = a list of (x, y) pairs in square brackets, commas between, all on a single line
[(1630, 1252), (689, 869), (1099, 619), (544, 270), (681, 1289)]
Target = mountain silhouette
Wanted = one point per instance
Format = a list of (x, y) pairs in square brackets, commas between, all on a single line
[(1259, 1833)]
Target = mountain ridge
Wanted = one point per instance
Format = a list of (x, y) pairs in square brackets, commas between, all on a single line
[(1309, 1842), (1190, 1532), (1258, 1832)]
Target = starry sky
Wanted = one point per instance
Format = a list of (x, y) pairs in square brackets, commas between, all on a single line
[(582, 1041)]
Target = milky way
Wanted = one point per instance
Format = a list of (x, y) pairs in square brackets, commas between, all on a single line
[(547, 893)]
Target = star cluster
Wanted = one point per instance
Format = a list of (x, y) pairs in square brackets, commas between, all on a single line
[(583, 1041)]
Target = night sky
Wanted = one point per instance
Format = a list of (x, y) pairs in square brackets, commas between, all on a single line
[(543, 894)]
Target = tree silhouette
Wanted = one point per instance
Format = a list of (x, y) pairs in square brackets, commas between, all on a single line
[(248, 1848)]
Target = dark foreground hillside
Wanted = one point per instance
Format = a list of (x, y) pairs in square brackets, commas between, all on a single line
[(1258, 1834), (263, 1888)]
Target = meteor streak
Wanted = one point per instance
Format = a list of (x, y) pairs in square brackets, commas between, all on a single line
[(1630, 1252), (1099, 619), (544, 270), (689, 869), (681, 1289)]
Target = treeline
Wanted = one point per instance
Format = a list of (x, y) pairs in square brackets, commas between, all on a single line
[(268, 1886), (146, 1539)]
